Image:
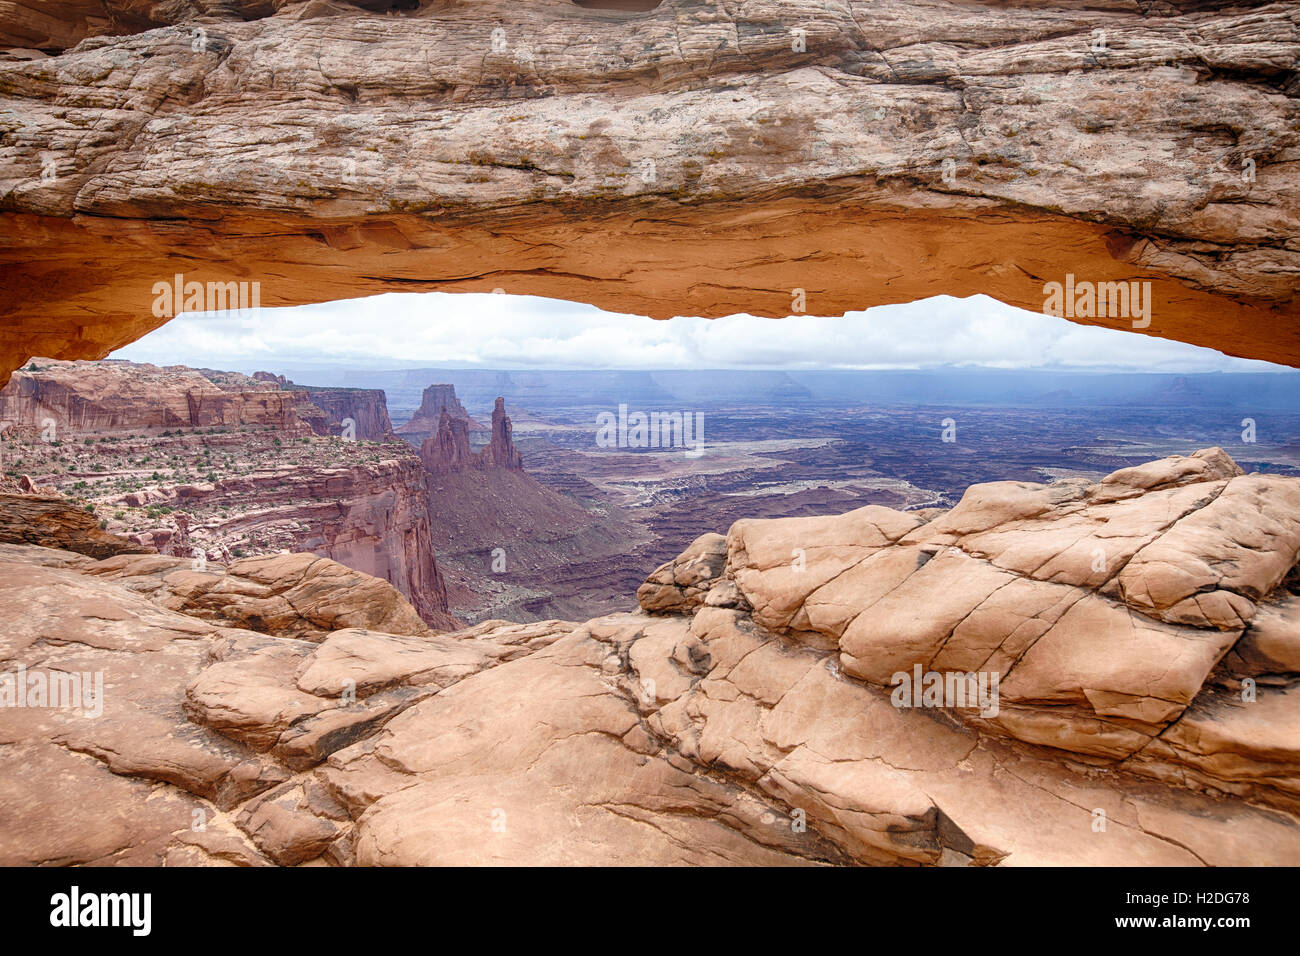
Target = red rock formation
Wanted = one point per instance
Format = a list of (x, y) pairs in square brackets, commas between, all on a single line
[(501, 451), (125, 396), (435, 400), (370, 513), (449, 450), (486, 509), (54, 522), (366, 407), (372, 517), (324, 409), (365, 506)]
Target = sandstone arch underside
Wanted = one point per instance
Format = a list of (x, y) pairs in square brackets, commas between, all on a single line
[(697, 158)]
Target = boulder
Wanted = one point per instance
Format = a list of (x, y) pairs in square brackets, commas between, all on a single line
[(764, 729)]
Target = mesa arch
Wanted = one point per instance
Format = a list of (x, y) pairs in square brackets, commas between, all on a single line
[(695, 158)]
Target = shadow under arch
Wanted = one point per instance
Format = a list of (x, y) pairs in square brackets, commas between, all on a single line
[(636, 6)]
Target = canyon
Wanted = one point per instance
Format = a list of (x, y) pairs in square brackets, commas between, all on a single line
[(935, 617), (789, 444), (725, 690), (219, 465), (511, 547), (536, 520)]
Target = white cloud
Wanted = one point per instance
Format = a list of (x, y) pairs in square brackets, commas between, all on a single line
[(506, 331)]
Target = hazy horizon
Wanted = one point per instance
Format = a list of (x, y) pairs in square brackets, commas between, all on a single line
[(489, 331)]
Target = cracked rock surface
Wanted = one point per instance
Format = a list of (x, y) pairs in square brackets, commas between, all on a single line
[(745, 715)]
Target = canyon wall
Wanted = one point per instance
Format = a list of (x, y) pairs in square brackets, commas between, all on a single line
[(765, 157), (123, 396), (373, 517), (126, 396), (184, 459), (367, 407)]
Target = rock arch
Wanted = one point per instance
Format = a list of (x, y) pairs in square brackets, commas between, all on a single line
[(690, 159)]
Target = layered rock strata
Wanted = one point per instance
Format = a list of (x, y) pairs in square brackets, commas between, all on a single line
[(50, 520), (434, 402), (365, 408), (237, 470), (449, 449), (118, 396), (374, 517), (106, 397)]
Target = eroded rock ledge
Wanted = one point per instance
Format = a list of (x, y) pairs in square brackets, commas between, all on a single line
[(743, 716), (696, 158)]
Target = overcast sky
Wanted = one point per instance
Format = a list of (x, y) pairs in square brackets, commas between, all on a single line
[(506, 331)]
